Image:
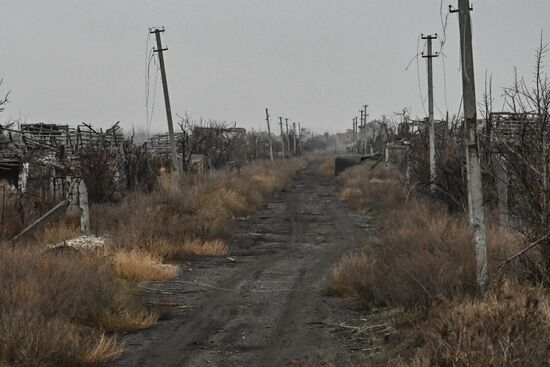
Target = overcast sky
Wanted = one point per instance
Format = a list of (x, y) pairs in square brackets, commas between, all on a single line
[(314, 61)]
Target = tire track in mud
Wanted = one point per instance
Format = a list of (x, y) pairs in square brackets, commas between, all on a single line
[(265, 308)]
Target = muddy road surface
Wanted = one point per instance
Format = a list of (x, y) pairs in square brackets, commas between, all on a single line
[(262, 305)]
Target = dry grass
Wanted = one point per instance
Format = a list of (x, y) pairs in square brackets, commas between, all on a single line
[(51, 308), (422, 259), (126, 321), (509, 327), (59, 231), (105, 350), (58, 309), (367, 189), (138, 265), (328, 166), (421, 253), (197, 218), (31, 340)]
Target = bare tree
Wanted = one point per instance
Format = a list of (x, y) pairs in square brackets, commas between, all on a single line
[(3, 100), (522, 137)]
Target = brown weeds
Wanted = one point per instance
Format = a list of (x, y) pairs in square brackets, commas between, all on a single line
[(51, 308), (420, 253), (127, 321), (422, 256), (139, 265), (197, 218), (328, 166), (510, 326), (56, 308)]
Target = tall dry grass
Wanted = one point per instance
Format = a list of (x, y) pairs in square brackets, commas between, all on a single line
[(421, 253), (328, 165), (52, 309), (196, 218), (64, 309), (509, 327), (422, 257)]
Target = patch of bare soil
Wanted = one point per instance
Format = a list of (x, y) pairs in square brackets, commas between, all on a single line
[(263, 305)]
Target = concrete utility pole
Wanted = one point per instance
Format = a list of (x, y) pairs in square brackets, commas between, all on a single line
[(294, 137), (173, 150), (282, 136), (361, 132), (287, 137), (475, 192), (84, 208), (355, 133), (431, 122), (269, 133), (300, 136), (366, 115)]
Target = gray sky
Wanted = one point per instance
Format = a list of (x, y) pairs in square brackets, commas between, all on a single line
[(314, 61)]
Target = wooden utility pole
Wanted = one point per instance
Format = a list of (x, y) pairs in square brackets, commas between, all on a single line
[(431, 122), (173, 150), (282, 136), (269, 133), (475, 192), (294, 137)]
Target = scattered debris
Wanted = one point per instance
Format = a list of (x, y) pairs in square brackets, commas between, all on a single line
[(86, 243)]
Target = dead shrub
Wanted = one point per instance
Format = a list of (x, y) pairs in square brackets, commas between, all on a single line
[(353, 277), (421, 253)]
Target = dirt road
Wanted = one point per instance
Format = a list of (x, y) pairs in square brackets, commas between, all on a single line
[(262, 306)]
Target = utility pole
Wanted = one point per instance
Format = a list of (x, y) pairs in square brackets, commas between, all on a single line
[(173, 150), (287, 137), (355, 133), (300, 136), (269, 133), (475, 193), (431, 122), (282, 136), (294, 137), (365, 115), (361, 130)]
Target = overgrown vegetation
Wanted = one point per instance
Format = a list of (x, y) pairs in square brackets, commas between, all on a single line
[(52, 307), (328, 166), (64, 307), (421, 261), (196, 219)]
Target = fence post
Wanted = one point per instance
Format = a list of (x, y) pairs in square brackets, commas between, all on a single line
[(84, 208)]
